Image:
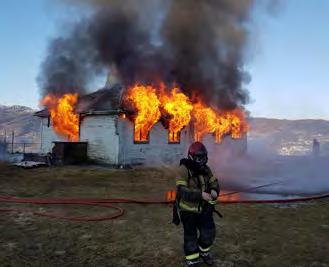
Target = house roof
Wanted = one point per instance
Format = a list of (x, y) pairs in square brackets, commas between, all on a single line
[(104, 101), (42, 113)]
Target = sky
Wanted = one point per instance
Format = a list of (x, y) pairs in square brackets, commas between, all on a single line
[(288, 56)]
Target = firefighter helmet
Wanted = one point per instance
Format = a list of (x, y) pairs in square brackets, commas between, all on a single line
[(198, 153)]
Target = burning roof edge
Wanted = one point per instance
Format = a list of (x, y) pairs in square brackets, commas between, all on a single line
[(106, 101), (44, 113)]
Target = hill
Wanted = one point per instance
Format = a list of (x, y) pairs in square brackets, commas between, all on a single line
[(19, 119), (289, 137), (285, 137)]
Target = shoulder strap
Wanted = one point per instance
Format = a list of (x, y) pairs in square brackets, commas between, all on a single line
[(186, 162), (189, 165), (208, 171)]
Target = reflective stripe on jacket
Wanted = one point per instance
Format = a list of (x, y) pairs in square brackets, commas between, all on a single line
[(190, 185)]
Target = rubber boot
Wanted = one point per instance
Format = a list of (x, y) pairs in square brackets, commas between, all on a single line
[(193, 263), (207, 258)]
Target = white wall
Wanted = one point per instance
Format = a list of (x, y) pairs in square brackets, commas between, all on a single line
[(48, 136), (106, 146), (100, 132), (157, 151)]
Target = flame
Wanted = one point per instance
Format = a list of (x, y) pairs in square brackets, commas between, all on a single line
[(239, 125), (223, 126), (179, 107), (65, 120), (228, 197), (146, 103), (205, 120), (150, 103), (208, 120)]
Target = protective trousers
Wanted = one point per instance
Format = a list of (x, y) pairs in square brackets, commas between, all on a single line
[(192, 223)]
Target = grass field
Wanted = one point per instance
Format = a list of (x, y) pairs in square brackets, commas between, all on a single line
[(249, 235)]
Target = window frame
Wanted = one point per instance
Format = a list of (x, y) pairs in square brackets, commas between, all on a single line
[(141, 142), (174, 142)]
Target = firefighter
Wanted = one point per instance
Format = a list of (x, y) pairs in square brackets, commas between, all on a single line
[(197, 191)]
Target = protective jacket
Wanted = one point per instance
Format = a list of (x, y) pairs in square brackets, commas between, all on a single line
[(191, 182)]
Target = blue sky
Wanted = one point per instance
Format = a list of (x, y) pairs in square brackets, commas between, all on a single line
[(289, 63)]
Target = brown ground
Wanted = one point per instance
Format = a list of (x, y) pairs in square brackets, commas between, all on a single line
[(249, 235)]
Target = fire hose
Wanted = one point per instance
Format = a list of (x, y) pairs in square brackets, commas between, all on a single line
[(108, 203)]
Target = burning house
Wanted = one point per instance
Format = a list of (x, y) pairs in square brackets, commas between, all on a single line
[(180, 69), (115, 135)]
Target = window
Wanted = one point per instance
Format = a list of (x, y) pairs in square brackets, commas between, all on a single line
[(141, 136), (173, 137)]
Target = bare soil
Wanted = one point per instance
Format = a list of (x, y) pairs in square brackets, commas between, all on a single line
[(249, 235)]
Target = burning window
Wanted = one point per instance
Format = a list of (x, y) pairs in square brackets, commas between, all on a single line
[(149, 104), (146, 104), (209, 120), (65, 120), (141, 136), (178, 107), (173, 137)]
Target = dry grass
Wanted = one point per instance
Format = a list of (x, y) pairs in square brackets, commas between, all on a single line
[(249, 235)]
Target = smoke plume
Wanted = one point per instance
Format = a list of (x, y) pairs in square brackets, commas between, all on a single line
[(198, 45)]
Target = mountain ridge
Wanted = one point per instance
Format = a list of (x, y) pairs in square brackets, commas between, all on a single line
[(20, 120), (282, 136)]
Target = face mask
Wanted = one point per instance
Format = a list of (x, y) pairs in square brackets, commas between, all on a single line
[(201, 160)]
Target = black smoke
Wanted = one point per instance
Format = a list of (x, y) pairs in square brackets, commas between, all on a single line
[(196, 44)]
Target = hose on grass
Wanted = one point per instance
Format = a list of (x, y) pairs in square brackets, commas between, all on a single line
[(108, 203)]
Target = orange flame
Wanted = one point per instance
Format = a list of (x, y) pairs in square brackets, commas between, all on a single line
[(65, 120), (206, 120), (239, 125), (223, 126), (146, 103), (179, 107)]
